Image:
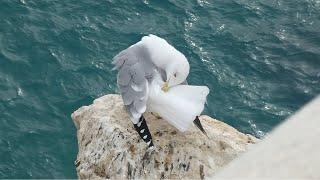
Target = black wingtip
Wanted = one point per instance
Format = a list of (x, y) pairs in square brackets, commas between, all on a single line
[(142, 128), (197, 122)]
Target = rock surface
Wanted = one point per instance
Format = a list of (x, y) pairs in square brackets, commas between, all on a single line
[(109, 147)]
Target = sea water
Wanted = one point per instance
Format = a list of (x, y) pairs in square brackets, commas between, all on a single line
[(260, 59)]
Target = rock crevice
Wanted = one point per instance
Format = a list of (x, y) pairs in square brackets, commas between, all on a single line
[(109, 147)]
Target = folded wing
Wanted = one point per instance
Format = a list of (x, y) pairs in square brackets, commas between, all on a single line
[(135, 69)]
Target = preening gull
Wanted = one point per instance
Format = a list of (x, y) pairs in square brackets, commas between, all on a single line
[(152, 78)]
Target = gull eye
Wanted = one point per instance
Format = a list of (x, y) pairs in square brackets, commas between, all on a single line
[(175, 75)]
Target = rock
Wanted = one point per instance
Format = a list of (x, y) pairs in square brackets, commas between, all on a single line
[(109, 147)]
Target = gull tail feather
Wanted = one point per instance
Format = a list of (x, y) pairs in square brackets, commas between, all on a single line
[(199, 126)]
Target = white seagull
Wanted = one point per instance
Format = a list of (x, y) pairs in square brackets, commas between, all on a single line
[(152, 78)]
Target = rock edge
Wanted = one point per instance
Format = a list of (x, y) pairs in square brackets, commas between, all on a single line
[(109, 147)]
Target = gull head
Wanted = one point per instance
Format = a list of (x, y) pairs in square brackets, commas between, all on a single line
[(166, 57), (177, 72)]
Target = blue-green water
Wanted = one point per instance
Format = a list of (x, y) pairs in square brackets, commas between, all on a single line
[(260, 58)]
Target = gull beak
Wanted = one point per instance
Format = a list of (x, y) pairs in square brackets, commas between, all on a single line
[(165, 87)]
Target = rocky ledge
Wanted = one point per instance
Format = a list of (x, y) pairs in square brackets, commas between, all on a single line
[(109, 147)]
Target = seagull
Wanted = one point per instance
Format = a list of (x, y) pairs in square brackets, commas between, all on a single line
[(152, 78)]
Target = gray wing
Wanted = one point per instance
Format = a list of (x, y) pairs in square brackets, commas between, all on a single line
[(135, 69)]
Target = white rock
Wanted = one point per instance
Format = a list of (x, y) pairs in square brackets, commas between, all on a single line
[(109, 147)]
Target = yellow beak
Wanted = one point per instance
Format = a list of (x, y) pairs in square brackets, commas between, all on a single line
[(165, 87)]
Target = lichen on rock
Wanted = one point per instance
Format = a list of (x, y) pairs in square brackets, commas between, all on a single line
[(109, 147)]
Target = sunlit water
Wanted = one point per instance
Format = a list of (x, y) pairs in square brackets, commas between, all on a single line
[(261, 60)]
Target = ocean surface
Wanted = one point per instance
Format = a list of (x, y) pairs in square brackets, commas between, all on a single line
[(260, 58)]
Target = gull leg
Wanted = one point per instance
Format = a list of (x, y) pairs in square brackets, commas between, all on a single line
[(199, 125), (143, 131)]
